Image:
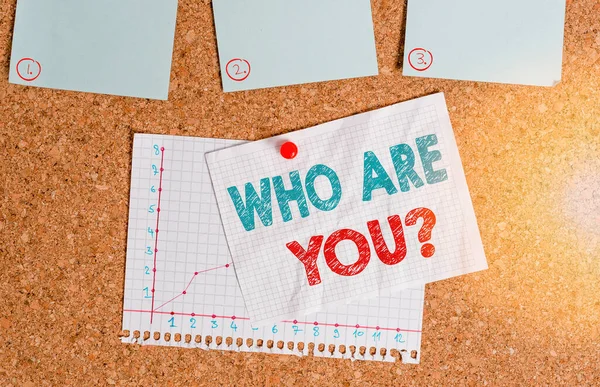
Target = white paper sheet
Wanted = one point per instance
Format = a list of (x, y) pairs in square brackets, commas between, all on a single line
[(191, 240), (331, 195)]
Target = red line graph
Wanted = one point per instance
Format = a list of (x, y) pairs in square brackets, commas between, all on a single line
[(357, 326), (184, 292), (185, 314), (162, 160)]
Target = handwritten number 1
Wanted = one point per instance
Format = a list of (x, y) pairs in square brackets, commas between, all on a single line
[(376, 336)]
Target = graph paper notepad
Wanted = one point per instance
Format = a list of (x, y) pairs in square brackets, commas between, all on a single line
[(371, 203), (180, 285)]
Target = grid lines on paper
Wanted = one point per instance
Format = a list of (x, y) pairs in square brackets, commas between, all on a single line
[(266, 282), (191, 240)]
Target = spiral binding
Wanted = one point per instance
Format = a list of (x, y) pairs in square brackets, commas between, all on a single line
[(269, 346)]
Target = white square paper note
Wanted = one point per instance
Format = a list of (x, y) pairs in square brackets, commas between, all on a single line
[(371, 203)]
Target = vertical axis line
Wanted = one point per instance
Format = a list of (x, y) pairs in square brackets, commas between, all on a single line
[(162, 160)]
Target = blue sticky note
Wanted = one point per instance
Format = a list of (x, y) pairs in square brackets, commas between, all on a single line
[(509, 41), (120, 47), (268, 43)]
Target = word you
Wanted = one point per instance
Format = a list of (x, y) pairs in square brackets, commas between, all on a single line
[(309, 256)]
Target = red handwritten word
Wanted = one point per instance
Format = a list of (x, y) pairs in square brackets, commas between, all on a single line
[(309, 256)]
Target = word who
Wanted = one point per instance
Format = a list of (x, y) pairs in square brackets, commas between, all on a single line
[(309, 256), (262, 204)]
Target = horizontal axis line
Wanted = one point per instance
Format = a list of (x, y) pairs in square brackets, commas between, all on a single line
[(295, 322)]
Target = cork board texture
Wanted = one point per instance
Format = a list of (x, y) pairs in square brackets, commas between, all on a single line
[(532, 159)]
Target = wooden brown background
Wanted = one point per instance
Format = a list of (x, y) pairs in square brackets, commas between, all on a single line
[(532, 158)]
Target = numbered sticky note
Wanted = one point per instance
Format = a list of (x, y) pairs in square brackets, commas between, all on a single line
[(510, 41), (120, 47), (180, 283), (371, 203), (268, 43)]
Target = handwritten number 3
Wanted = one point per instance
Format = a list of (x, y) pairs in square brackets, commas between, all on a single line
[(421, 59)]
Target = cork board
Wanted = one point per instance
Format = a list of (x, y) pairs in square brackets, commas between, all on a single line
[(532, 159)]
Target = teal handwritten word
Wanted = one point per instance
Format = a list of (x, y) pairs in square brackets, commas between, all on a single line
[(375, 176), (299, 192)]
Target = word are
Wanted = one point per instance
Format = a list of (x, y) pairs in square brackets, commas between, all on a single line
[(309, 256), (403, 159)]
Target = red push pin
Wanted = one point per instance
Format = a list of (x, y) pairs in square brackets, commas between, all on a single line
[(289, 150)]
